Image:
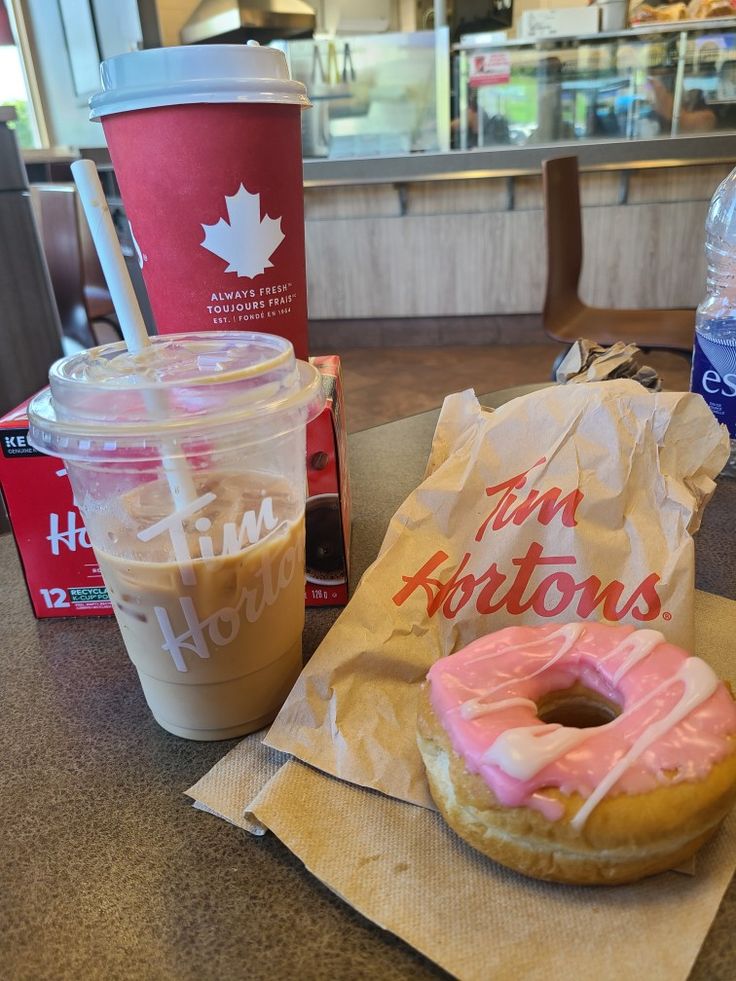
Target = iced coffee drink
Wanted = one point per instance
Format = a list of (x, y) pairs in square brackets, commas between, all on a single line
[(203, 561), (235, 598)]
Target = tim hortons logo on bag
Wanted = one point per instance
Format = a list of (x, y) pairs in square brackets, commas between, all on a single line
[(541, 582)]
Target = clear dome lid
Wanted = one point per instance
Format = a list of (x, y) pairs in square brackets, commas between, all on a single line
[(180, 385)]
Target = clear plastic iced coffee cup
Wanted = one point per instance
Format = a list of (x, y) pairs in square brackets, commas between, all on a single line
[(187, 461)]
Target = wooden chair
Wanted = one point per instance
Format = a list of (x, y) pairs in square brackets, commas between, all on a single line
[(565, 316), (81, 295), (97, 299)]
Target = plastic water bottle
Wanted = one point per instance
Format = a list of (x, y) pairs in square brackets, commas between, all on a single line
[(714, 356)]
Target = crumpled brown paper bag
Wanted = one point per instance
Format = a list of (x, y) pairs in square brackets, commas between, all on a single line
[(569, 503), (587, 361)]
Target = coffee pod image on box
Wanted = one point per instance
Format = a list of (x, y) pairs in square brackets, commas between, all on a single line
[(325, 550)]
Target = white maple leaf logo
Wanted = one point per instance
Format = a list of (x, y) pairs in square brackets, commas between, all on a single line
[(246, 242)]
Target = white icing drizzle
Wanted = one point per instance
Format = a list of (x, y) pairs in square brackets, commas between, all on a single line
[(524, 751), (699, 684), (569, 633), (636, 646), (475, 707)]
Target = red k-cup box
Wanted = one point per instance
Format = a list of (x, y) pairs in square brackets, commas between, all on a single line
[(60, 568), (328, 508), (206, 147)]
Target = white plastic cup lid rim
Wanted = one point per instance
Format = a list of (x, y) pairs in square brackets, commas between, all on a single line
[(188, 75)]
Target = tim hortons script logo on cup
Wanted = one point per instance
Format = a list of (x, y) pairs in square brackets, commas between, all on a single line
[(518, 587), (274, 569)]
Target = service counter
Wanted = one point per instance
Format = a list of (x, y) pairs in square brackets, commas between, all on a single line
[(461, 233)]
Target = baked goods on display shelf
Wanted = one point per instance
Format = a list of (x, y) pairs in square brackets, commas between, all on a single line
[(652, 12)]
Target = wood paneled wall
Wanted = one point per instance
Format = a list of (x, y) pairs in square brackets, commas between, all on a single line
[(477, 246)]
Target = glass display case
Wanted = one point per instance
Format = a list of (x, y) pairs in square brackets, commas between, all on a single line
[(644, 83), (374, 95)]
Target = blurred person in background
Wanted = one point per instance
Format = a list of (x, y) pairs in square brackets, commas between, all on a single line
[(697, 115)]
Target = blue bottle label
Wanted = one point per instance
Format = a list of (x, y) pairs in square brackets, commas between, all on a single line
[(714, 377)]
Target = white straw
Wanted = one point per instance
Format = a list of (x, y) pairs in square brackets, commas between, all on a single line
[(111, 257), (126, 307)]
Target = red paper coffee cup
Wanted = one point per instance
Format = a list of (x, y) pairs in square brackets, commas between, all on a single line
[(206, 146)]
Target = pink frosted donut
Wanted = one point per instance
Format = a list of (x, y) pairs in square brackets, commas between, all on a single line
[(581, 753)]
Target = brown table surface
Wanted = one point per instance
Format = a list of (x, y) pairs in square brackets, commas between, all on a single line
[(107, 871)]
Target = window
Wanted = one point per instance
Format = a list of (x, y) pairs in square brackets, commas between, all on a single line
[(14, 85)]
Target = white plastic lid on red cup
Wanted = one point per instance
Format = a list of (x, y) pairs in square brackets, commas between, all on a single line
[(195, 74)]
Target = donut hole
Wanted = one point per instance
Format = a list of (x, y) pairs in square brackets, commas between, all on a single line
[(577, 708)]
